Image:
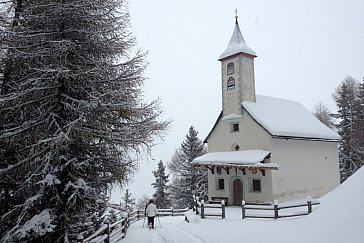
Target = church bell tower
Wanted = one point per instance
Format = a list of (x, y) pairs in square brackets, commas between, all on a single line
[(237, 73)]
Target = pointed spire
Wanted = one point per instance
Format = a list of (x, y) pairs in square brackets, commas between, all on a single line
[(237, 43)]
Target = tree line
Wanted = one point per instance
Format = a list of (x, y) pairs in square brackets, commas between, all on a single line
[(186, 181), (348, 121)]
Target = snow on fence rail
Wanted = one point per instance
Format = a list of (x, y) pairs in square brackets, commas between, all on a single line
[(107, 233), (134, 216), (172, 212), (139, 214), (276, 209)]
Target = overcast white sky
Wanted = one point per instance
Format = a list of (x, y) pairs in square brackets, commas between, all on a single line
[(305, 49)]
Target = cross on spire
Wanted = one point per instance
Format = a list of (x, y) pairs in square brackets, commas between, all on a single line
[(236, 15)]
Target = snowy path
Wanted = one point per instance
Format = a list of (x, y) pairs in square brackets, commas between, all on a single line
[(170, 232)]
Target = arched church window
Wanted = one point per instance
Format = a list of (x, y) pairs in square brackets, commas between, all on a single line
[(231, 83), (230, 68)]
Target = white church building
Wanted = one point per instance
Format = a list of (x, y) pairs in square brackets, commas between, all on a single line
[(263, 148)]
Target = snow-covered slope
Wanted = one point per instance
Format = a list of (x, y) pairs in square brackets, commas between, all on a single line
[(340, 218)]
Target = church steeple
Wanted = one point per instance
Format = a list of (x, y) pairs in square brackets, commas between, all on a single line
[(237, 71), (237, 44)]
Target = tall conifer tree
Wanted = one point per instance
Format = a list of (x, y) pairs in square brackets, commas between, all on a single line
[(188, 181), (71, 114), (347, 97), (359, 125), (161, 194), (128, 203)]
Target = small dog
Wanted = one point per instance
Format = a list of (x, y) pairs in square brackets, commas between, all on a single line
[(186, 219)]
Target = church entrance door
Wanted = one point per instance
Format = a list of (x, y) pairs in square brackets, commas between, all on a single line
[(238, 192)]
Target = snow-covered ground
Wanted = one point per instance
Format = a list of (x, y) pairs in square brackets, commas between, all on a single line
[(339, 218)]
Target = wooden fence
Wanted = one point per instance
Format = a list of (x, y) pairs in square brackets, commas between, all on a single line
[(278, 209), (134, 216), (216, 208), (107, 233), (116, 231), (172, 212)]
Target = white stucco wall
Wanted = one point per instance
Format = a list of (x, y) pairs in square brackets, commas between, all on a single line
[(250, 136), (306, 168), (229, 97), (247, 74), (244, 83), (265, 195)]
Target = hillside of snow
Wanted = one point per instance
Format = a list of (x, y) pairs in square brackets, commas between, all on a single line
[(339, 218)]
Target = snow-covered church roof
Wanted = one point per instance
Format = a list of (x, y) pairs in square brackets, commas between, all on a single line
[(253, 159), (287, 118), (237, 44)]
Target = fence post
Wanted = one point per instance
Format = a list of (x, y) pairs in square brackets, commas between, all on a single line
[(243, 209), (275, 209), (125, 222), (79, 238), (202, 209), (223, 209), (108, 231), (196, 206), (309, 204), (196, 203)]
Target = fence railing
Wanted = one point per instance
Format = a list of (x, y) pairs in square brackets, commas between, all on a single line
[(107, 232), (116, 231), (250, 211), (172, 211), (134, 216), (277, 209), (215, 212)]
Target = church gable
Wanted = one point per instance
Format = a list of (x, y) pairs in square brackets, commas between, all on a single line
[(235, 132)]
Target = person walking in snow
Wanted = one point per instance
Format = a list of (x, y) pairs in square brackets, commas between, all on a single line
[(151, 212)]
